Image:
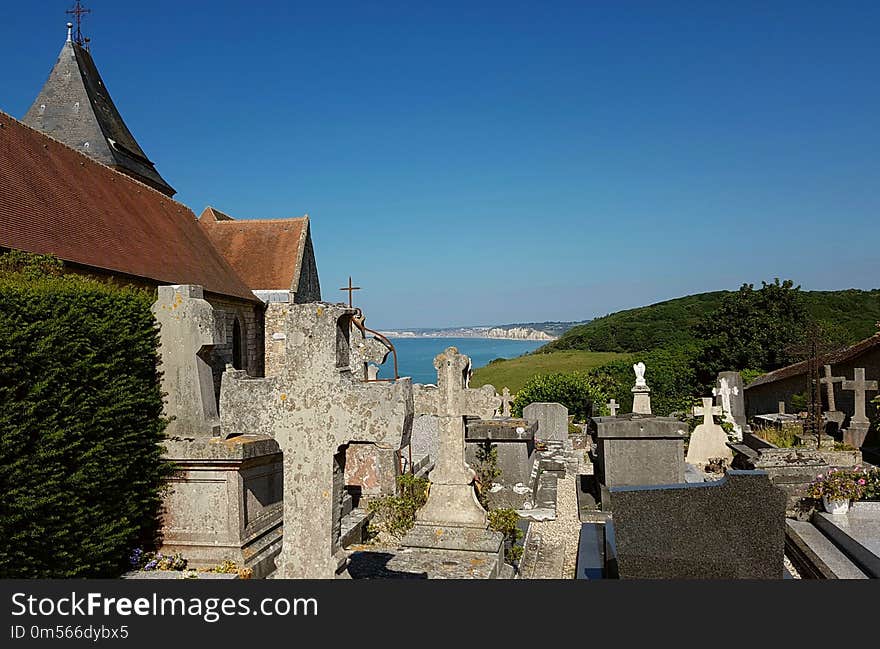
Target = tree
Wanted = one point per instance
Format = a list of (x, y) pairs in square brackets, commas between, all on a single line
[(751, 329)]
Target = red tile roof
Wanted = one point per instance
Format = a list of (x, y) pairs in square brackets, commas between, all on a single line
[(54, 200), (266, 253)]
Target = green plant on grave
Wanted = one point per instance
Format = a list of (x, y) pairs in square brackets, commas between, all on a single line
[(397, 514), (505, 521), (487, 470)]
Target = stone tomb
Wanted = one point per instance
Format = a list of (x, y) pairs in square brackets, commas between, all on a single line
[(552, 420), (639, 450), (314, 409), (514, 442), (224, 499), (733, 528)]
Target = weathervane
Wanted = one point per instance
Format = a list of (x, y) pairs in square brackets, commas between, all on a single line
[(350, 290), (77, 12)]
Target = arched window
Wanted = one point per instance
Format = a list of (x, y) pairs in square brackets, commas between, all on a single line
[(237, 356)]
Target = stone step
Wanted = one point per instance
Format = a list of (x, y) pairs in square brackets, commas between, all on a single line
[(815, 556), (354, 527)]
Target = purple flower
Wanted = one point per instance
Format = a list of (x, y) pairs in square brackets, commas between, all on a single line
[(151, 565)]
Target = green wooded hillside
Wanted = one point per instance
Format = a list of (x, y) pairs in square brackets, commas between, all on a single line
[(851, 315)]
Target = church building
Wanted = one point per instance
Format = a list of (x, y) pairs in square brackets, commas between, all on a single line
[(75, 183)]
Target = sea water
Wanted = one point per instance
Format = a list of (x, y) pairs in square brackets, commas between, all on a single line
[(415, 356)]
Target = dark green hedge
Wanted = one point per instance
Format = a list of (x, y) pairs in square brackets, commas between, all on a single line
[(80, 421)]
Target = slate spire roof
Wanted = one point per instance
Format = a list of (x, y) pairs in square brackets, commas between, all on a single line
[(75, 108)]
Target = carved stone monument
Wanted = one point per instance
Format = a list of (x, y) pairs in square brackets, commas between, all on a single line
[(224, 499), (452, 518), (314, 409), (641, 391), (188, 331)]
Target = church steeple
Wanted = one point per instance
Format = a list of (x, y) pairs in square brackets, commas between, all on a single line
[(75, 107)]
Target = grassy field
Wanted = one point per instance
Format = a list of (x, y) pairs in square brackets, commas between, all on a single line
[(515, 372)]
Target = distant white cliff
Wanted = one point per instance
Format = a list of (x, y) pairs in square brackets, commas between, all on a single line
[(518, 333)]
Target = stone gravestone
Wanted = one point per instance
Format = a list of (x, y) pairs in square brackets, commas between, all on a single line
[(733, 528), (641, 391), (729, 395), (552, 420), (314, 409), (855, 433), (708, 441), (188, 331), (452, 518)]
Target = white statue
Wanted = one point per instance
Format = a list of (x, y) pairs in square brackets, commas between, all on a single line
[(640, 375)]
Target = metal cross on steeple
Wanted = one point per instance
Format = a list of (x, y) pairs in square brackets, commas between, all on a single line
[(77, 12), (350, 290)]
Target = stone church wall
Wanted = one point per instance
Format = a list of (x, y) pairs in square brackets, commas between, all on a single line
[(251, 321)]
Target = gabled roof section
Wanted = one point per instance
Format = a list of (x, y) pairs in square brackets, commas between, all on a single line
[(75, 108), (797, 369), (267, 253), (54, 200)]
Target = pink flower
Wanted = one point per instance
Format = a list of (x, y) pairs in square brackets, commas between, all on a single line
[(862, 482)]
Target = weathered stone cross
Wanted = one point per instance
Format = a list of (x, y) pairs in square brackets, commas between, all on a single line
[(505, 402), (452, 500), (708, 410), (828, 381), (613, 406), (859, 387)]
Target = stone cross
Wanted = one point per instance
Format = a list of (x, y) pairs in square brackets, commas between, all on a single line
[(315, 409), (188, 329), (452, 499), (613, 407), (707, 410), (505, 402), (859, 387), (725, 392), (828, 381)]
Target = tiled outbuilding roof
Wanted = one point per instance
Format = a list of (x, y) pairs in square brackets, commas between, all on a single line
[(797, 369), (266, 253), (55, 200)]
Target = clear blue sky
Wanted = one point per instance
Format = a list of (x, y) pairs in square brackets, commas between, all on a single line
[(492, 162)]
